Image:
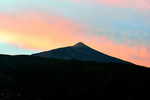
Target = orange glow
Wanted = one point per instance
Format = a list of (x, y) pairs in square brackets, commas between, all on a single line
[(137, 54), (49, 31), (40, 31)]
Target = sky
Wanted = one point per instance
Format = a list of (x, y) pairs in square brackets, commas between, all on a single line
[(119, 28)]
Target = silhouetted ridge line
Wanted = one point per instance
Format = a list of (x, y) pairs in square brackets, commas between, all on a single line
[(80, 44), (36, 78), (80, 51)]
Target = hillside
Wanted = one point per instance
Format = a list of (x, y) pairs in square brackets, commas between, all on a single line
[(79, 51), (35, 78)]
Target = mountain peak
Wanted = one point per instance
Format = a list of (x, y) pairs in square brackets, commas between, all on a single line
[(79, 51), (80, 44)]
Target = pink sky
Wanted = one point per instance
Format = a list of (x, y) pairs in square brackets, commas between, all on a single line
[(119, 28), (40, 31), (133, 4)]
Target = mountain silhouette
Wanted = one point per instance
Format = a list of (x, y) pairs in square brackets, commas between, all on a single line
[(79, 51), (25, 77)]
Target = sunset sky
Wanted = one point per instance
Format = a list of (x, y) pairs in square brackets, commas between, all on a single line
[(120, 28)]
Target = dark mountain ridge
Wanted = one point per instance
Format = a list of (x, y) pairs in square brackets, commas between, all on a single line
[(38, 78), (79, 51)]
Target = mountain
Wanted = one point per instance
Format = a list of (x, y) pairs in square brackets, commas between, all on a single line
[(79, 51), (35, 78)]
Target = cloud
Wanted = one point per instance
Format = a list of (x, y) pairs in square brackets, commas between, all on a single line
[(45, 31), (40, 31), (137, 54), (134, 4)]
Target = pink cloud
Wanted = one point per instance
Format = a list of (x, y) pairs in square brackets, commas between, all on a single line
[(137, 54), (40, 31), (134, 4)]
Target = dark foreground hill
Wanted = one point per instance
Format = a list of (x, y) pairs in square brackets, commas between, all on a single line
[(35, 78), (79, 51)]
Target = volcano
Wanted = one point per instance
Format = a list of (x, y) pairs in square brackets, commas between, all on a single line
[(79, 51)]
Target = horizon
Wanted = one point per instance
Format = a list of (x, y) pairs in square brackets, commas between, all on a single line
[(119, 28), (81, 44)]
